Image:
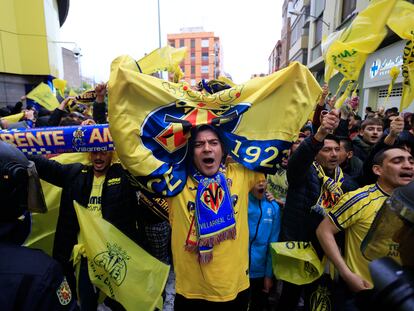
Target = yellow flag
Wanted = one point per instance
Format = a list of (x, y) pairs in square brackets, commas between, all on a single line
[(150, 119), (348, 54), (43, 229), (43, 95), (14, 117), (118, 266), (60, 85), (72, 93), (295, 262), (401, 22), (326, 43), (163, 59)]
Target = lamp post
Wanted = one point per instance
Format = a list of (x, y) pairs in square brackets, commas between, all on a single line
[(159, 25), (299, 14), (77, 53)]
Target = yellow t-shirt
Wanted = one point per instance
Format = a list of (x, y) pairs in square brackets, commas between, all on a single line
[(94, 203), (227, 273), (355, 213)]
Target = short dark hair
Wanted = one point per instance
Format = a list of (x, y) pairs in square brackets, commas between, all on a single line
[(201, 128), (348, 145), (332, 137), (380, 155)]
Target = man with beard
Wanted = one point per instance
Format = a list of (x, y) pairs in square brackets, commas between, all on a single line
[(316, 182), (354, 214), (211, 263), (370, 133), (104, 189)]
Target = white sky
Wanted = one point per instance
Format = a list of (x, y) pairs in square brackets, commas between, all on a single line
[(105, 29)]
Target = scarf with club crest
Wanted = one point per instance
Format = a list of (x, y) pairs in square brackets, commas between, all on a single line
[(213, 219), (330, 190)]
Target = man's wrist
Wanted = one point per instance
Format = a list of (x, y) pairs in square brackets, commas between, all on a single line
[(319, 136)]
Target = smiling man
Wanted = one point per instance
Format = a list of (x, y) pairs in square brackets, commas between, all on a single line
[(211, 263), (355, 212)]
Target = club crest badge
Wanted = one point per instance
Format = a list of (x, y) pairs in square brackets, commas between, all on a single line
[(113, 263), (212, 196), (63, 293)]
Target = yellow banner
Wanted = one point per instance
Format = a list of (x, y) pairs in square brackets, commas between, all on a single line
[(402, 23), (118, 266), (164, 59), (43, 229), (366, 32), (14, 117), (60, 85), (43, 95)]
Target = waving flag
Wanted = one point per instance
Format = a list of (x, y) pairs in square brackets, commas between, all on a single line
[(118, 266), (43, 228), (366, 32), (401, 22), (60, 85), (43, 95), (348, 54), (150, 120), (164, 59)]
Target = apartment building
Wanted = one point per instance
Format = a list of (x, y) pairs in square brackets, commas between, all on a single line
[(307, 22), (204, 56)]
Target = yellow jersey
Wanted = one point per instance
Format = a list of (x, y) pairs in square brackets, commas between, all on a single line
[(355, 213), (227, 273)]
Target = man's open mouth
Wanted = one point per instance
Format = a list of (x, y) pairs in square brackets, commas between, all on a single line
[(406, 175), (208, 160)]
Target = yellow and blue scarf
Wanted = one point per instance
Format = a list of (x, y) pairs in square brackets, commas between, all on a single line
[(214, 216), (330, 190)]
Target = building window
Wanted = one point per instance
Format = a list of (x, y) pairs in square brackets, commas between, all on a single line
[(318, 7), (296, 32), (172, 43), (192, 69), (204, 56), (204, 69), (192, 43), (318, 30), (348, 7), (181, 43), (205, 43), (192, 55)]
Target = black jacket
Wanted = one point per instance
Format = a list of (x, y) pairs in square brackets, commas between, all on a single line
[(118, 202), (31, 280), (299, 221)]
